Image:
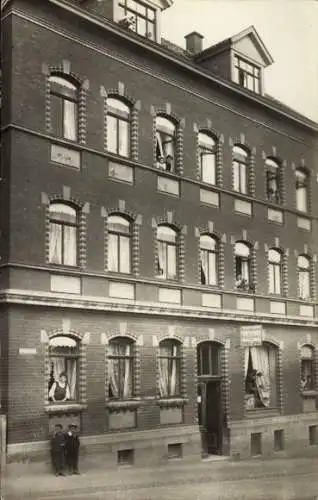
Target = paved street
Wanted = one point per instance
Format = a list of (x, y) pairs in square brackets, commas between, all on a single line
[(281, 479)]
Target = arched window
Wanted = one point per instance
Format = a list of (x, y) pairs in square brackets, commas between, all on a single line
[(272, 180), (118, 127), (208, 358), (240, 169), (303, 267), (301, 190), (274, 271), (64, 107), (165, 143), (167, 252), (307, 359), (63, 234), (260, 368), (64, 359), (169, 368), (207, 153), (208, 259), (120, 368), (242, 253), (119, 244)]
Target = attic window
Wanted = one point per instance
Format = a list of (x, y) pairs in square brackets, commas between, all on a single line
[(140, 17), (247, 75)]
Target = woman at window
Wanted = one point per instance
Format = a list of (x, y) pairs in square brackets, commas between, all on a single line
[(60, 390)]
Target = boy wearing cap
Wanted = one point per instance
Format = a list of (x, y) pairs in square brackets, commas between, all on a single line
[(58, 450), (72, 444)]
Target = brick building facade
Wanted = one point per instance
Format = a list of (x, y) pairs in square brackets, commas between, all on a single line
[(158, 239)]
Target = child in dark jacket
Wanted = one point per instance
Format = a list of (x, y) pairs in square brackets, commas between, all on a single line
[(72, 444), (58, 450)]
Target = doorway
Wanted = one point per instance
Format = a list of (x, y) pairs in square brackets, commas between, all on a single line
[(210, 398)]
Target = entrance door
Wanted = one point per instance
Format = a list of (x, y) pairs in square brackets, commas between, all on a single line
[(210, 417)]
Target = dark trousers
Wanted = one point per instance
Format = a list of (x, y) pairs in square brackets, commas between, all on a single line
[(72, 460), (58, 461)]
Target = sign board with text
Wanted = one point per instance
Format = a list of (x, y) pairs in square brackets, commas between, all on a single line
[(251, 335)]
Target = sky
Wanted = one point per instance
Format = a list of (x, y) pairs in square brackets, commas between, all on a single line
[(288, 28)]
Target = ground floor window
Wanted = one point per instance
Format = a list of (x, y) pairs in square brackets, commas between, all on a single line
[(120, 368), (64, 357), (260, 376), (169, 368)]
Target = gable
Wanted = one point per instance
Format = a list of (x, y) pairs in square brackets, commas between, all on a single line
[(247, 47)]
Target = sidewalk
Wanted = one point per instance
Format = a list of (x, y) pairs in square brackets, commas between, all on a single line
[(32, 485)]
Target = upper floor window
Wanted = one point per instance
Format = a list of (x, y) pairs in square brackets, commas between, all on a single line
[(303, 268), (240, 170), (165, 143), (242, 253), (272, 181), (301, 190), (274, 271), (118, 127), (143, 16), (260, 366), (63, 234), (169, 368), (208, 358), (64, 108), (63, 359), (307, 360), (120, 368), (207, 153), (246, 74), (119, 244), (208, 260), (167, 252)]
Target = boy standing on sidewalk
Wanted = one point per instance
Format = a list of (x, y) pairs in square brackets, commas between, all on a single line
[(72, 444), (58, 450)]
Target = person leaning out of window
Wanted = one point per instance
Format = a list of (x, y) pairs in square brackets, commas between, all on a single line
[(60, 390)]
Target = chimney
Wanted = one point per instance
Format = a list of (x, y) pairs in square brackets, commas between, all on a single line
[(194, 42)]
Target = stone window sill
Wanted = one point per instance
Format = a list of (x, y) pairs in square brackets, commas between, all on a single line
[(65, 408), (172, 402), (261, 412), (309, 394), (118, 406)]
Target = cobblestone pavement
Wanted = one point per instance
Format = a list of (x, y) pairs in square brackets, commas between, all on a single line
[(281, 479)]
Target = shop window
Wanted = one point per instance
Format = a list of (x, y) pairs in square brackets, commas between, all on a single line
[(64, 366), (118, 127), (165, 144), (301, 190), (169, 368), (307, 358), (119, 244), (303, 268), (260, 376), (208, 260), (208, 358), (242, 253), (272, 181), (240, 170), (64, 107), (167, 239), (207, 155), (63, 234), (120, 368), (274, 271)]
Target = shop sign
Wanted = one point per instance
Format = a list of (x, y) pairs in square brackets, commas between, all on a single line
[(251, 335)]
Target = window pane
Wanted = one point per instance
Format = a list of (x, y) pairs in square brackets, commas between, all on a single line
[(57, 115), (112, 252), (118, 224), (242, 174), (118, 107), (271, 284), (165, 125), (274, 256), (162, 261), (241, 249), (304, 284), (62, 82), (124, 254), (208, 167), (70, 245), (277, 278), (63, 379), (207, 242), (70, 120), (62, 212), (166, 233), (172, 262), (204, 267), (55, 255), (141, 26), (123, 138), (112, 134), (212, 268), (303, 262), (236, 176), (301, 199)]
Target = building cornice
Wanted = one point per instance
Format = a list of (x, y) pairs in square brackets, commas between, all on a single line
[(157, 49), (123, 306)]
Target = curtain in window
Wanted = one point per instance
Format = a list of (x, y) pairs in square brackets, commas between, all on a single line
[(124, 254), (304, 284), (162, 264), (112, 134), (260, 362), (246, 360), (113, 371), (208, 167), (123, 138), (172, 261), (301, 199), (164, 377), (119, 369), (168, 370), (55, 251), (62, 365), (112, 252), (70, 245), (70, 120), (274, 278), (204, 267)]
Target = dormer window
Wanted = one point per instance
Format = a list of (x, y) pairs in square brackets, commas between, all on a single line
[(247, 75), (142, 17)]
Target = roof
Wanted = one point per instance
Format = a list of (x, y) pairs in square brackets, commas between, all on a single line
[(228, 43)]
